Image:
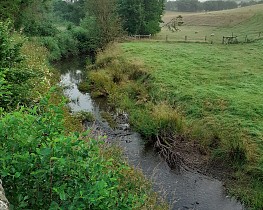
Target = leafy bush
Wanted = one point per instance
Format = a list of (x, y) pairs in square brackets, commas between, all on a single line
[(82, 36), (9, 52), (15, 77), (48, 170), (43, 28), (51, 44), (67, 44)]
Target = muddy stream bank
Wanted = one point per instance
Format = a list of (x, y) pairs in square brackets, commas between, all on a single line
[(183, 188)]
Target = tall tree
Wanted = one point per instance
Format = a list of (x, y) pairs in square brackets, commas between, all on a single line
[(153, 11), (106, 17), (132, 15), (141, 16)]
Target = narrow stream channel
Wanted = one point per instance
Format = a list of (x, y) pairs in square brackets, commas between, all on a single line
[(183, 188)]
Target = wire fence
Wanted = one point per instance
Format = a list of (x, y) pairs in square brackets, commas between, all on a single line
[(224, 38)]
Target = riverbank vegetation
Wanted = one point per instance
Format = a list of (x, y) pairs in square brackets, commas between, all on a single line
[(187, 101), (47, 161), (207, 95)]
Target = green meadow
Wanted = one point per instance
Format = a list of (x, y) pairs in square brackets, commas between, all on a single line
[(210, 84), (216, 88), (209, 94)]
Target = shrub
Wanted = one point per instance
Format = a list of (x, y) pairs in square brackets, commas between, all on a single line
[(67, 44), (51, 44), (43, 28), (83, 39), (15, 77), (48, 170)]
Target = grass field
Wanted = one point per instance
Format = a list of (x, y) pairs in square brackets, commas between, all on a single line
[(219, 83), (242, 22), (207, 93), (217, 88)]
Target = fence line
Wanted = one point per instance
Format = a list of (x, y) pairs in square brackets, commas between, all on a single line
[(212, 38), (141, 36), (231, 39)]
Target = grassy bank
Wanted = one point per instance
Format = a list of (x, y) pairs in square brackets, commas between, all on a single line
[(47, 162), (209, 94)]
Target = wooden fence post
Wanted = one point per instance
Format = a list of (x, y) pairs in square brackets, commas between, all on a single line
[(185, 38), (166, 39)]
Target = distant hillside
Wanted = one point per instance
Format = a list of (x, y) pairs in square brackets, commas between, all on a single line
[(207, 5), (224, 18)]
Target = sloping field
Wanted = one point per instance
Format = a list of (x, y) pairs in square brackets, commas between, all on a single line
[(223, 18), (246, 23)]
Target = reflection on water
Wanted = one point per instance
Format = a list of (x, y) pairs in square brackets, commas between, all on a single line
[(186, 189)]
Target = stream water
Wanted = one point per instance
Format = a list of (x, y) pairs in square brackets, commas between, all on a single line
[(183, 188)]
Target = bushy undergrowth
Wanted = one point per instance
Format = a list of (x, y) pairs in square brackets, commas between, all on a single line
[(45, 163), (70, 42), (74, 40), (17, 77), (48, 170), (127, 84)]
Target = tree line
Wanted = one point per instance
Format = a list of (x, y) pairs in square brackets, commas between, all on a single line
[(81, 26), (211, 5)]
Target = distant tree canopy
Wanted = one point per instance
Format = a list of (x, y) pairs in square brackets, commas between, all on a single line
[(195, 5), (135, 16), (84, 25), (69, 11), (21, 12), (141, 16)]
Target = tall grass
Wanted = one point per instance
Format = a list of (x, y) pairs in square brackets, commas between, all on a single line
[(208, 94)]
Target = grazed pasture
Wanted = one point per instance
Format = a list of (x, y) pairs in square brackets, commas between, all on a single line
[(245, 23)]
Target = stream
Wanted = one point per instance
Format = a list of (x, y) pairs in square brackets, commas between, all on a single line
[(183, 188)]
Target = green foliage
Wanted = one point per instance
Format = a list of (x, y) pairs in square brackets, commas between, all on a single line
[(43, 166), (72, 12), (40, 28), (9, 52), (106, 19), (67, 44), (21, 12), (5, 93), (51, 44), (47, 170), (63, 45), (190, 91), (141, 16), (88, 39), (15, 77)]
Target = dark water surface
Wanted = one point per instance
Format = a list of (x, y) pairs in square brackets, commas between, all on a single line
[(183, 188)]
